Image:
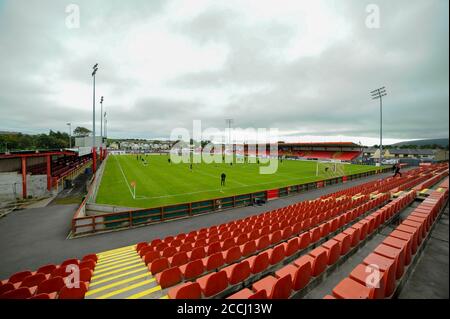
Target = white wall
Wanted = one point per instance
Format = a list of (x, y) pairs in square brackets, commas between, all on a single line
[(11, 186)]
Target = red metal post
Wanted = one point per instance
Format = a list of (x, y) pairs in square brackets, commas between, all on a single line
[(101, 152), (94, 160), (49, 173), (24, 177)]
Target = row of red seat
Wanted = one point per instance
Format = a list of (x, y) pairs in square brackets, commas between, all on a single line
[(380, 272), (218, 281), (431, 181), (295, 276), (306, 209), (170, 276), (222, 238), (195, 263), (48, 282), (386, 183)]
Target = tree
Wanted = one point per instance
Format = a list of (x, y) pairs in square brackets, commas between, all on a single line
[(81, 131)]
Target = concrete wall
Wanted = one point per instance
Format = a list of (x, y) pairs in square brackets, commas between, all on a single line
[(11, 186)]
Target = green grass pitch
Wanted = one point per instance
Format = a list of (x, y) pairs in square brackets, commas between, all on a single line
[(160, 183)]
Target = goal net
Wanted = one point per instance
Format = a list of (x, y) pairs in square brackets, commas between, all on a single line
[(329, 169)]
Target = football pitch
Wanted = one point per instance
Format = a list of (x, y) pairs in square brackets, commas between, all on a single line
[(160, 183)]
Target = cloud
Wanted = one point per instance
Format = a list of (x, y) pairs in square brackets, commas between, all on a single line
[(305, 68)]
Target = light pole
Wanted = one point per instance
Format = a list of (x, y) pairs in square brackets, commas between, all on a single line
[(101, 121), (378, 94), (95, 68), (70, 134), (106, 130)]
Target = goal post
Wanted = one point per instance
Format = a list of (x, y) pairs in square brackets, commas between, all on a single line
[(329, 168)]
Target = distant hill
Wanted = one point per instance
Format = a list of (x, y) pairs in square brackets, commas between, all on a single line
[(438, 141)]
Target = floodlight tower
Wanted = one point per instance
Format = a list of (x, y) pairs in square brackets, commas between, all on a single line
[(94, 72), (101, 121), (378, 94), (70, 134)]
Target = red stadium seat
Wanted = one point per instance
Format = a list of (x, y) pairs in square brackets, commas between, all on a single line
[(395, 254), (33, 281), (69, 262), (197, 253), (291, 247), (276, 288), (169, 252), (248, 248), (304, 240), (263, 242), (189, 290), (148, 249), (87, 264), (248, 294), (319, 260), (301, 275), (185, 247), (238, 272), (18, 277), (350, 289), (365, 275), (213, 283), (193, 269), (6, 287), (158, 265), (276, 254), (286, 233), (140, 245), (151, 256), (20, 293), (169, 277), (354, 233), (46, 270), (386, 267), (345, 241), (86, 274), (400, 244), (232, 254), (315, 234), (51, 286), (214, 261), (179, 259), (227, 244), (73, 293), (333, 248), (259, 263)]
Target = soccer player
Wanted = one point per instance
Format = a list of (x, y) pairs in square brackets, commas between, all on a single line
[(222, 179)]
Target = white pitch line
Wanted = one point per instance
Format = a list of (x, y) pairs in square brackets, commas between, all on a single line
[(124, 177), (218, 189), (233, 181)]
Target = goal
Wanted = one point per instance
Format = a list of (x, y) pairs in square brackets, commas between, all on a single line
[(329, 168)]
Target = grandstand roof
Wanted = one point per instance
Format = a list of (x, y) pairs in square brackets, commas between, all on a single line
[(411, 151), (36, 153), (328, 144)]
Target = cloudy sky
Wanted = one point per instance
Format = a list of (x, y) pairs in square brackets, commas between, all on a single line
[(304, 67)]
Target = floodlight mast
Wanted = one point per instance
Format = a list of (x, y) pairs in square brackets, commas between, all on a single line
[(70, 134), (95, 69), (378, 94), (101, 121)]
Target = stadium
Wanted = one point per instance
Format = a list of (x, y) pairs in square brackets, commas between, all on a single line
[(136, 211)]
